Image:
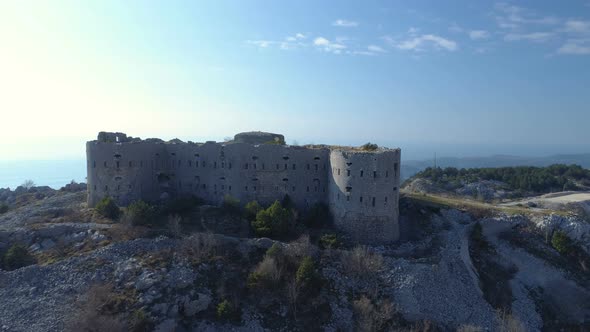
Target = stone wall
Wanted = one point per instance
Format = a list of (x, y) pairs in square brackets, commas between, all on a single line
[(152, 169), (364, 192)]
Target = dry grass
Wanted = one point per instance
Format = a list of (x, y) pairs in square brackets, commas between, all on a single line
[(370, 317), (300, 248), (97, 311), (508, 323), (269, 269), (200, 246), (469, 328), (361, 261), (477, 207)]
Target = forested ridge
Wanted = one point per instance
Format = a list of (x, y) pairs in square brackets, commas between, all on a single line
[(552, 178)]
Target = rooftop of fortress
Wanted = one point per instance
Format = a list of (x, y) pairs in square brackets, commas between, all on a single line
[(252, 137)]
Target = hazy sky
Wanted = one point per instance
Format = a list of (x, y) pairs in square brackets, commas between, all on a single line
[(398, 73)]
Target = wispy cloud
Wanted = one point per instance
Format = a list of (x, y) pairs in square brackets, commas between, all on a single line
[(260, 43), (421, 43), (509, 16), (345, 23), (479, 34), (575, 47), (577, 26), (328, 46), (455, 28), (537, 37), (296, 37), (375, 49)]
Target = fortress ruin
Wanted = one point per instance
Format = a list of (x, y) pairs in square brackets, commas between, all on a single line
[(360, 187)]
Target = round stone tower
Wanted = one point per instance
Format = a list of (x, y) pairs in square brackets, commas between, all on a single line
[(363, 193)]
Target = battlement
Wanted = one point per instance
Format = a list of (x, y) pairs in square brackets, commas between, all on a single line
[(360, 186)]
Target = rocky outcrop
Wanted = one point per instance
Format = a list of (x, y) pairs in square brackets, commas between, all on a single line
[(575, 228)]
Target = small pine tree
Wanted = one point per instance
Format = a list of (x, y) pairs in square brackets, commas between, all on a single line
[(306, 271), (140, 213), (108, 208), (225, 310), (561, 242), (16, 257), (329, 241), (3, 208), (251, 209), (274, 221)]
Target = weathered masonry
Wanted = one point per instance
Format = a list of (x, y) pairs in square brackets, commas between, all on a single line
[(360, 187)]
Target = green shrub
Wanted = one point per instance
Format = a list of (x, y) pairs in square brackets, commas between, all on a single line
[(369, 147), (319, 215), (275, 250), (254, 280), (561, 242), (140, 321), (251, 209), (231, 204), (108, 208), (16, 257), (330, 241), (226, 311), (306, 271), (274, 221), (3, 208), (140, 213), (182, 205)]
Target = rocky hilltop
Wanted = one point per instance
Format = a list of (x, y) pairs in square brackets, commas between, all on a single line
[(187, 266)]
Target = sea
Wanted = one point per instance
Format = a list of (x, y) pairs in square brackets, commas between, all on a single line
[(52, 173)]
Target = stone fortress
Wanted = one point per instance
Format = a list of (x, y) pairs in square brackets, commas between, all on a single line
[(360, 187)]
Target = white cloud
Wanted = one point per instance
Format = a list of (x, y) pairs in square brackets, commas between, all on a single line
[(537, 37), (296, 37), (478, 34), (260, 43), (375, 49), (321, 41), (575, 47), (345, 23), (328, 46), (419, 43), (368, 53), (577, 26)]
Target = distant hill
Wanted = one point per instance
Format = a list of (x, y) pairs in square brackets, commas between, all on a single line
[(411, 167)]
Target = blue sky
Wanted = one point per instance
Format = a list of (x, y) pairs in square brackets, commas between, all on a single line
[(457, 77)]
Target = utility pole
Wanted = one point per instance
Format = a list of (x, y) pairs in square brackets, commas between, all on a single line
[(435, 160)]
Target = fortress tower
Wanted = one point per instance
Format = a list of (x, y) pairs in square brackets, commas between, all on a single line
[(360, 187)]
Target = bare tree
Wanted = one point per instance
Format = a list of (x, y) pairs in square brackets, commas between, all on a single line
[(28, 184), (293, 291), (174, 226)]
